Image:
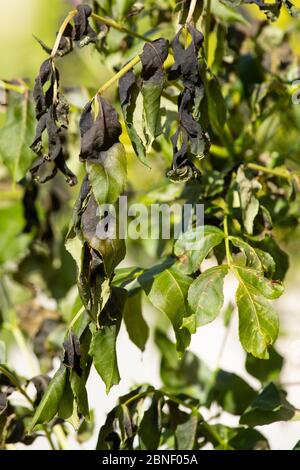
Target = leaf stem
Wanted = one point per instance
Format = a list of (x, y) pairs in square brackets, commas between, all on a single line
[(227, 247), (119, 74), (271, 171), (16, 383), (191, 11), (23, 392), (61, 31), (113, 24), (12, 87), (207, 27)]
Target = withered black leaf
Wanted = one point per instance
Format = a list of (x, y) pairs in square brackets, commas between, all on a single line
[(40, 383), (98, 134), (72, 353), (51, 111), (190, 139), (83, 32), (153, 56)]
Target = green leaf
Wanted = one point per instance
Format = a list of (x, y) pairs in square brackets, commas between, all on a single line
[(269, 245), (17, 134), (216, 105), (187, 374), (103, 344), (65, 409), (227, 14), (231, 392), (103, 352), (248, 439), (205, 297), (247, 188), (268, 407), (132, 107), (257, 283), (258, 321), (265, 371), (167, 291), (185, 433), (297, 446), (252, 258), (193, 246), (108, 176), (150, 427), (50, 402), (13, 243), (136, 326)]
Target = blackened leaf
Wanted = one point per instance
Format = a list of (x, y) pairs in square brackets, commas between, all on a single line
[(167, 291), (136, 326), (108, 174), (72, 353), (83, 32), (111, 249), (185, 433), (265, 370), (50, 402), (153, 56), (16, 135), (150, 427), (186, 59), (103, 345), (41, 383), (108, 439), (268, 407), (78, 384), (98, 135)]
